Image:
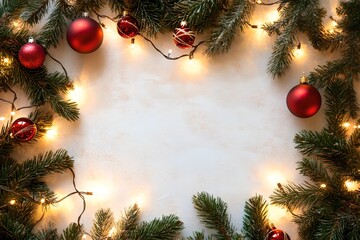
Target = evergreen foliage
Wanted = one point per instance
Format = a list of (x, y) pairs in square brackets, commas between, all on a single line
[(331, 157), (213, 213), (327, 209)]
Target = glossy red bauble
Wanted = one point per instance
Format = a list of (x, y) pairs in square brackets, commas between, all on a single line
[(84, 35), (32, 55), (23, 129), (127, 27), (277, 234), (303, 100), (183, 37)]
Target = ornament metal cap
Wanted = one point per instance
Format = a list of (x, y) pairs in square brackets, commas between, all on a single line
[(125, 13), (183, 23), (31, 40), (85, 14), (303, 79)]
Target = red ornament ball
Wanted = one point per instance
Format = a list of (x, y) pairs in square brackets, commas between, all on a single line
[(277, 234), (183, 37), (127, 27), (84, 35), (303, 100), (23, 129), (32, 55)]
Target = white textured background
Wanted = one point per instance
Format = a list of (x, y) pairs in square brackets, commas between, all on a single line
[(156, 132)]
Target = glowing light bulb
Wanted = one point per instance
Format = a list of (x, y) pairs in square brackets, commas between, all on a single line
[(51, 133), (84, 236), (346, 125), (112, 232), (12, 202), (2, 118), (183, 23), (258, 1), (12, 113), (323, 185), (273, 16), (352, 185), (42, 201), (75, 94)]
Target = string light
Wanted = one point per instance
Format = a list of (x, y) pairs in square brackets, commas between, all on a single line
[(2, 118), (42, 201), (12, 113), (12, 202), (323, 185), (84, 236)]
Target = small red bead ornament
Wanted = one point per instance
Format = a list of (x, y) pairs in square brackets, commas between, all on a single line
[(277, 234), (127, 26), (303, 100), (23, 129), (84, 35), (32, 55), (183, 37)]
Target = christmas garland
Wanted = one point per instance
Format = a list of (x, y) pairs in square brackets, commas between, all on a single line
[(330, 156)]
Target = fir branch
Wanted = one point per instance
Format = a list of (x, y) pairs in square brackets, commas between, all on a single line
[(53, 30), (282, 53), (149, 13), (312, 24), (128, 222), (235, 18), (255, 222), (324, 75), (49, 232), (72, 232), (102, 224), (341, 101), (117, 6), (41, 166), (314, 169), (296, 16), (34, 11), (196, 13), (213, 214), (164, 228), (65, 109), (199, 236), (89, 5)]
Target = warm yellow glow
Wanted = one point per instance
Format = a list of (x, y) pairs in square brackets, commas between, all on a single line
[(273, 16), (140, 200), (2, 118), (323, 185), (346, 124), (191, 66), (84, 236), (275, 177), (51, 133), (276, 213), (259, 1), (112, 232), (42, 201), (12, 113), (298, 52), (169, 52), (75, 94), (12, 202), (352, 185)]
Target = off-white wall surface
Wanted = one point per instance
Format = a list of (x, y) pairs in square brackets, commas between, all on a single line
[(156, 132)]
